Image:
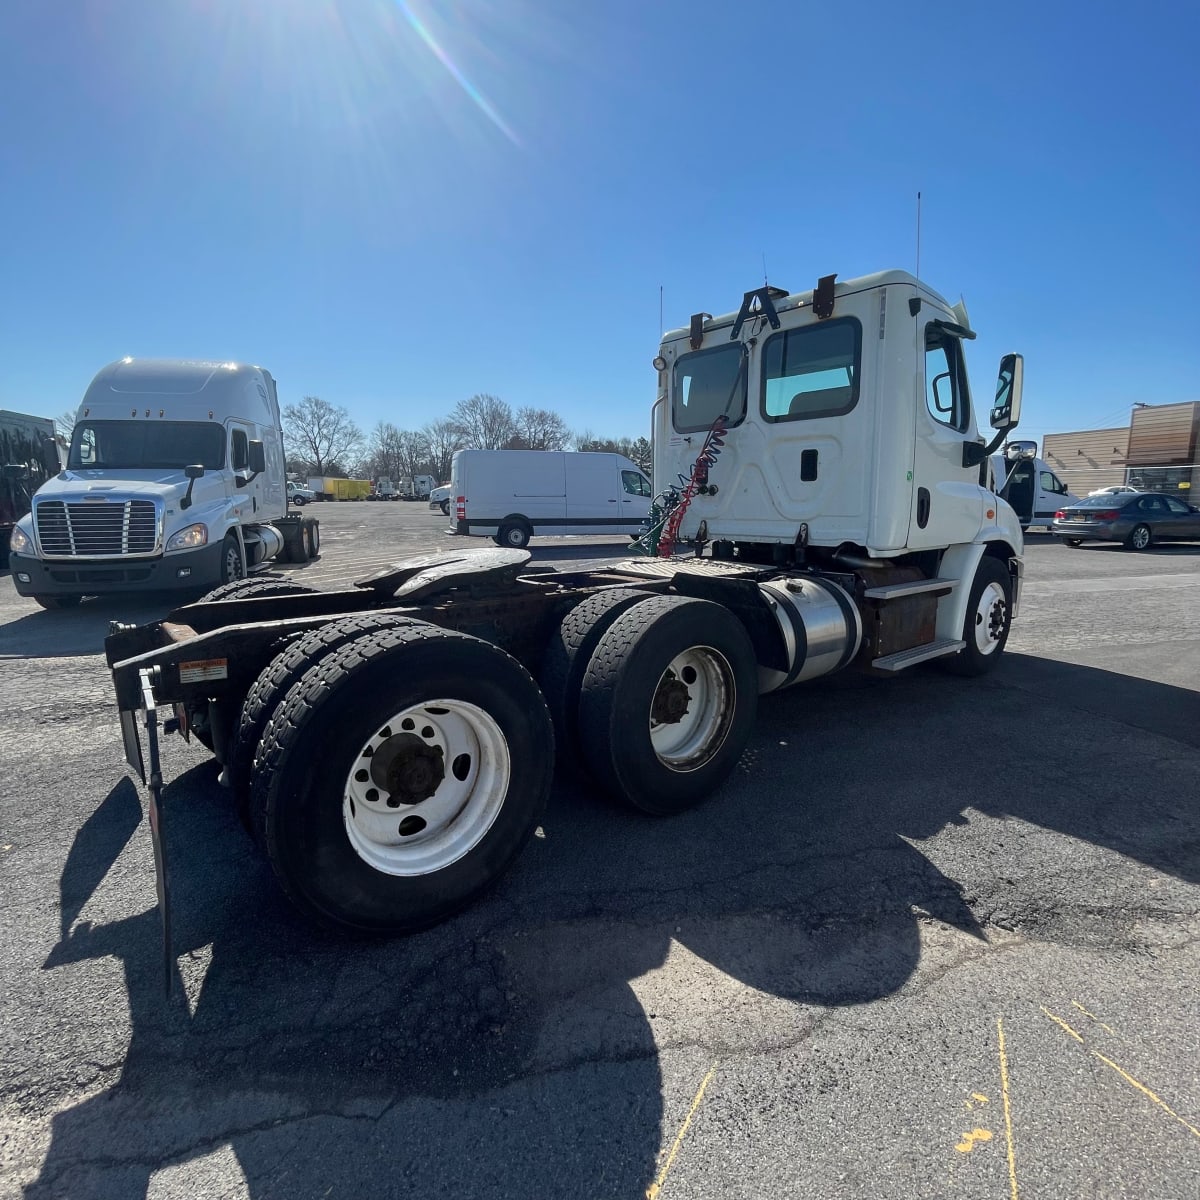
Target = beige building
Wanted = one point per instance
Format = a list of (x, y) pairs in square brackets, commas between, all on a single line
[(1156, 452)]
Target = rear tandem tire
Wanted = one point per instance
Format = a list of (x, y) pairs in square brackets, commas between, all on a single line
[(469, 807), (268, 690), (256, 586), (692, 662), (513, 535), (566, 659)]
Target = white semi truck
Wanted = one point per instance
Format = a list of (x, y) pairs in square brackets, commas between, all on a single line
[(174, 482), (391, 744)]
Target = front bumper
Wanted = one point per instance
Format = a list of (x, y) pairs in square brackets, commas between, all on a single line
[(188, 570)]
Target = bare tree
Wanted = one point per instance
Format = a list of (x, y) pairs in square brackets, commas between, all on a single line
[(443, 439), (386, 460), (539, 429), (637, 450), (414, 453), (484, 422), (321, 435)]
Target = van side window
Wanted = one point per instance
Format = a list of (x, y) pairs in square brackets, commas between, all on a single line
[(945, 381), (1051, 483), (239, 450), (634, 483)]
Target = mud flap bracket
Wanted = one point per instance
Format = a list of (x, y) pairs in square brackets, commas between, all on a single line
[(153, 780)]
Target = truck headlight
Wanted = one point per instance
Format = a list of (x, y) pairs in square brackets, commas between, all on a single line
[(18, 541), (189, 538)]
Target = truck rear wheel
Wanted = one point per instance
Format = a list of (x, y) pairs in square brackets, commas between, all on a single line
[(312, 538), (988, 620), (514, 534), (668, 702), (566, 661), (254, 586), (400, 777), (268, 690)]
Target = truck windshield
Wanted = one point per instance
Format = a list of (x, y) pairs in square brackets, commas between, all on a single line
[(124, 445), (709, 384)]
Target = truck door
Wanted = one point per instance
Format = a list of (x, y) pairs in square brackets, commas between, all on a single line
[(635, 500), (1020, 491), (246, 493), (947, 500)]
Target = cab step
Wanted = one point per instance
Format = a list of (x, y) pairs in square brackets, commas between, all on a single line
[(895, 591), (918, 654)]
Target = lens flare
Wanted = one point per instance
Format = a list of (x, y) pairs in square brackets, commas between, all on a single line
[(485, 106)]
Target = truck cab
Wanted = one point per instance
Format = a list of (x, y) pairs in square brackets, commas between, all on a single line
[(836, 428), (174, 475)]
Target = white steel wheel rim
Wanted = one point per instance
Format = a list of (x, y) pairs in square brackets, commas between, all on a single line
[(687, 743), (233, 561), (398, 837), (990, 618), (1141, 537)]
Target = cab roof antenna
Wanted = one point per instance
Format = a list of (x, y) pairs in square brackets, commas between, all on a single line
[(918, 235)]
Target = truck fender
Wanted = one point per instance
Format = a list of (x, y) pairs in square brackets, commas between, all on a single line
[(960, 563)]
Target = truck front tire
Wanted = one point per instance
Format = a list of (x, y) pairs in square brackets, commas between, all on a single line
[(400, 777), (668, 703), (231, 560), (988, 620)]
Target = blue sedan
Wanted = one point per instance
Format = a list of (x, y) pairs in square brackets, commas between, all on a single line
[(1137, 521)]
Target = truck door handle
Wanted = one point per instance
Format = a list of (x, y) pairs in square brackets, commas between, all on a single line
[(922, 507)]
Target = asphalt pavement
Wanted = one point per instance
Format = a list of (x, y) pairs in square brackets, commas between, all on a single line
[(936, 937)]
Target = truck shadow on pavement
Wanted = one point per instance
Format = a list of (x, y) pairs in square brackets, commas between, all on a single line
[(511, 1052), (69, 632)]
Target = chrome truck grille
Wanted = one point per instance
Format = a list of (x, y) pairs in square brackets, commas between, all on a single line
[(96, 528)]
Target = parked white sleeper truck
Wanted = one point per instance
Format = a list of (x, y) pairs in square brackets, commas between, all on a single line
[(391, 744), (174, 482)]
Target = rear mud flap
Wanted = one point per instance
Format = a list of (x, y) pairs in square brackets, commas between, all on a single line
[(153, 782)]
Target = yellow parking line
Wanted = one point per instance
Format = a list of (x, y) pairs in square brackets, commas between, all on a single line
[(1095, 1018), (1129, 1079), (1008, 1130), (656, 1187)]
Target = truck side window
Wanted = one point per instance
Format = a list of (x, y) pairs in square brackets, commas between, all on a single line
[(634, 483), (945, 380), (812, 371), (709, 384), (239, 450), (1051, 483)]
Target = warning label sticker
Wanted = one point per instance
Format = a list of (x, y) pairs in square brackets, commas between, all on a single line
[(203, 669)]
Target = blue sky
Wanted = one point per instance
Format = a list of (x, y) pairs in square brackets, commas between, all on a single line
[(395, 219)]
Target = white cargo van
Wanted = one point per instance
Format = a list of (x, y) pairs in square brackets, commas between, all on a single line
[(1028, 484), (510, 495)]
